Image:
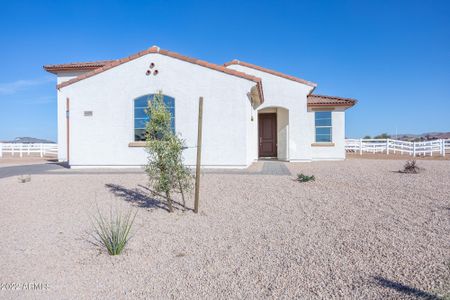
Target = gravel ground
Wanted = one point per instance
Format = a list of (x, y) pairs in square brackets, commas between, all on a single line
[(361, 230)]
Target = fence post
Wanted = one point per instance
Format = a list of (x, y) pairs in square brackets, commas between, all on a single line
[(443, 148), (41, 146), (414, 148), (387, 146), (360, 146), (1, 149), (199, 154), (20, 149)]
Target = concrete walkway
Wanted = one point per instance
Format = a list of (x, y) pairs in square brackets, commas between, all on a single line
[(277, 168), (261, 167), (17, 170)]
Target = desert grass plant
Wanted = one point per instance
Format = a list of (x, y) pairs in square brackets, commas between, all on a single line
[(114, 231), (24, 178), (305, 178), (165, 168), (411, 167)]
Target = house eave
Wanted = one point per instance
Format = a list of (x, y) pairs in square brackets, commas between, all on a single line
[(272, 72)]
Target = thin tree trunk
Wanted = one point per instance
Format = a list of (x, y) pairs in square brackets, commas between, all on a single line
[(182, 193), (169, 202)]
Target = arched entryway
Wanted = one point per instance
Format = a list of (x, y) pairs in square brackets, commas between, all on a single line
[(273, 133)]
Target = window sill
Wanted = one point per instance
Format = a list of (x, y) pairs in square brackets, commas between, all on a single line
[(137, 144), (325, 144)]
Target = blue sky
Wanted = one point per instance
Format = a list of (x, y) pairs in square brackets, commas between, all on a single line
[(393, 56)]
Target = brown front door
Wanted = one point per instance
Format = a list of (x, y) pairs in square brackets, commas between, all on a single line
[(268, 135)]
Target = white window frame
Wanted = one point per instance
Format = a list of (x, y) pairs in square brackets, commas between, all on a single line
[(330, 126)]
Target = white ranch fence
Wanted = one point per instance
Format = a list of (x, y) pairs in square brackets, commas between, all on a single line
[(21, 149), (435, 147)]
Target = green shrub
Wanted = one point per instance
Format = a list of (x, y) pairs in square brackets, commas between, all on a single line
[(165, 168), (446, 297), (305, 178), (113, 233), (411, 167)]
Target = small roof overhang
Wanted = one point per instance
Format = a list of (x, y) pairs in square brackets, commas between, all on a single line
[(272, 72), (80, 66), (315, 100)]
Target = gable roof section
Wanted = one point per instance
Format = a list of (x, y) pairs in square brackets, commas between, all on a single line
[(322, 100), (80, 66), (155, 49), (276, 73)]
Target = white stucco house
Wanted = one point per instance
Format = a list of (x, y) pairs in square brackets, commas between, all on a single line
[(249, 112)]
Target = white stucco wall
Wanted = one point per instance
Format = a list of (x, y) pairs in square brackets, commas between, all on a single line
[(61, 111), (283, 133), (103, 138), (337, 151), (230, 130), (61, 122), (290, 95), (65, 76), (252, 134)]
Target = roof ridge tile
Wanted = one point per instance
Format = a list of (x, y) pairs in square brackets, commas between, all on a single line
[(323, 100), (155, 49)]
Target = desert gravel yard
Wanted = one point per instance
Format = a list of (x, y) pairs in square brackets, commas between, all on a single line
[(360, 231)]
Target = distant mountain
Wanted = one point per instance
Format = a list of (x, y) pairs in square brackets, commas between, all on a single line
[(424, 136), (28, 140), (412, 137), (440, 135)]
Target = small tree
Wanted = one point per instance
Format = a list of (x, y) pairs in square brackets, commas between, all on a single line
[(367, 137), (165, 168), (383, 136)]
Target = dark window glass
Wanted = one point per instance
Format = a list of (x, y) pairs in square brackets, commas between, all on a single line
[(323, 138), (140, 123), (141, 118), (323, 125), (139, 112), (139, 134)]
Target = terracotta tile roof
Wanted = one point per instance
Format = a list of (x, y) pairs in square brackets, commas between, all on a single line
[(80, 66), (321, 100), (279, 74), (155, 49)]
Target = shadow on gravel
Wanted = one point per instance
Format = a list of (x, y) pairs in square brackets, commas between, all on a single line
[(29, 169), (404, 288), (139, 197), (403, 172), (176, 205)]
